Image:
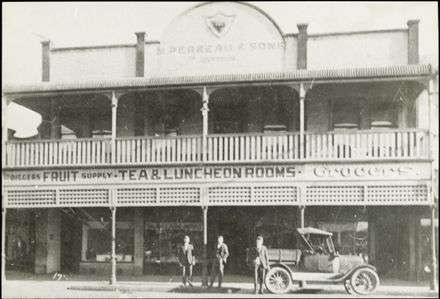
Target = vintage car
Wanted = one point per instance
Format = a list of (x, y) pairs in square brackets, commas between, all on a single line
[(316, 260)]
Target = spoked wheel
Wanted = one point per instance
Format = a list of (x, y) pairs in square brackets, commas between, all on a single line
[(278, 281), (348, 287), (364, 281)]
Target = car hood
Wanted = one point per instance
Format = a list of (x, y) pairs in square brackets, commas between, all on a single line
[(347, 262)]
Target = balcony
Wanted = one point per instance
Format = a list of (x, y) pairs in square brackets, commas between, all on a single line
[(356, 145)]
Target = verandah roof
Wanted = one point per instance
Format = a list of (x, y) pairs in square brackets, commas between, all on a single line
[(415, 70)]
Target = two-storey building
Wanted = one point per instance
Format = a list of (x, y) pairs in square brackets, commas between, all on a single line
[(226, 125)]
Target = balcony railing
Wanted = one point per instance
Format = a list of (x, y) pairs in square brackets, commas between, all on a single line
[(230, 148), (253, 147), (58, 152), (179, 149), (368, 144)]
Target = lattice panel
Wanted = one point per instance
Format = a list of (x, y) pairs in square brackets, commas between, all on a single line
[(31, 198), (136, 196), (397, 194), (81, 197), (334, 194), (278, 194), (183, 195), (229, 195)]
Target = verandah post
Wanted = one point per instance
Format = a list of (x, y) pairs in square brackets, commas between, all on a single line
[(302, 96), (434, 158), (3, 242), (205, 246), (205, 110), (303, 208), (113, 253), (114, 103), (4, 140), (434, 282), (4, 129)]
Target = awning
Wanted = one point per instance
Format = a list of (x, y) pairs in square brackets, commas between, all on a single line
[(414, 70)]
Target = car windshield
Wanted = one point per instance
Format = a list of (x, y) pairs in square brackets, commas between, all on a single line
[(318, 243), (331, 247)]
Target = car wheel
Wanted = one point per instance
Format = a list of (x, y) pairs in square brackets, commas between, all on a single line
[(364, 281), (278, 281), (348, 287)]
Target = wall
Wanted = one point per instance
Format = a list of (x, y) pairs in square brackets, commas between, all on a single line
[(250, 42), (290, 53), (47, 241), (53, 241), (317, 114), (126, 117), (99, 63), (190, 45), (357, 50), (422, 104)]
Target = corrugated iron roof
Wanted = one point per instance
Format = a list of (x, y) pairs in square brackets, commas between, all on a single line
[(297, 75)]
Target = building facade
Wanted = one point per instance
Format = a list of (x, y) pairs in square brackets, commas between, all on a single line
[(226, 126)]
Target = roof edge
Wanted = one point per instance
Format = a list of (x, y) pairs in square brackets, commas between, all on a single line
[(414, 70)]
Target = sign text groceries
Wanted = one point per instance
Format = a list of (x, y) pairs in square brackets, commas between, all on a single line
[(146, 174)]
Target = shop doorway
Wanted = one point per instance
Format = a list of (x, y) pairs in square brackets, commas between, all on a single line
[(20, 240)]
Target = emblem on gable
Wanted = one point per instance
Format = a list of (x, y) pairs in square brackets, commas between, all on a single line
[(220, 24)]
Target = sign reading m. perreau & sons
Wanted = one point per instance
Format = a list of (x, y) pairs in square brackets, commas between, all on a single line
[(289, 173)]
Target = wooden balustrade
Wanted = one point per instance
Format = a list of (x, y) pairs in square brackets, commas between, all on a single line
[(252, 147), (58, 152), (351, 145), (179, 149), (367, 144)]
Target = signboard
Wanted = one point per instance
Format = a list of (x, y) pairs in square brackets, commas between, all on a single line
[(228, 174), (219, 38), (385, 171), (151, 175)]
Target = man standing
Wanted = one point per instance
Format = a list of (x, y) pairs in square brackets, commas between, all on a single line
[(186, 261), (259, 259), (19, 252), (219, 261)]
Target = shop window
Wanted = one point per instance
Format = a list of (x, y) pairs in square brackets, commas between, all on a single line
[(97, 241), (163, 238)]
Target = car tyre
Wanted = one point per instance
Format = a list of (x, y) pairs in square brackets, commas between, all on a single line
[(278, 281), (364, 281), (348, 287)]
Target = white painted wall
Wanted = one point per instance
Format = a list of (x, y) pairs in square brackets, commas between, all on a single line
[(291, 53), (357, 50), (252, 43), (93, 64), (422, 103)]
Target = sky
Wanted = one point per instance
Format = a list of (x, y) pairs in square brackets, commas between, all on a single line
[(66, 24)]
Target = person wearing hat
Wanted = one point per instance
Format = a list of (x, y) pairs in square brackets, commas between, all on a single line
[(218, 262), (186, 261), (259, 260)]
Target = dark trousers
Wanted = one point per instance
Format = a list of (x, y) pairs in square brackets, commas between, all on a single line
[(187, 271), (259, 274), (217, 269)]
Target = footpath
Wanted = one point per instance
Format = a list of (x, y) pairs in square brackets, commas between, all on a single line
[(82, 286)]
